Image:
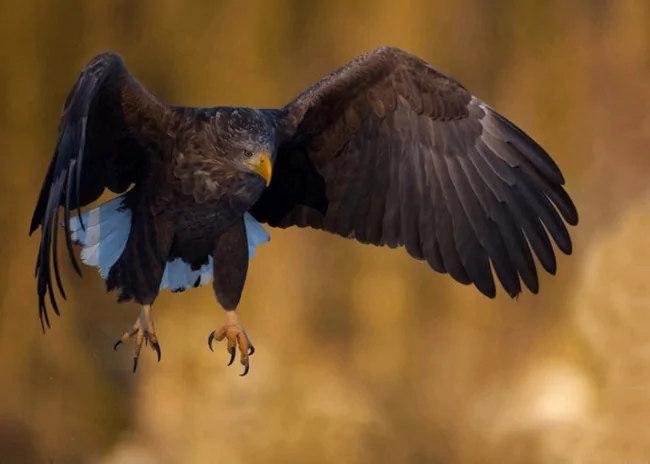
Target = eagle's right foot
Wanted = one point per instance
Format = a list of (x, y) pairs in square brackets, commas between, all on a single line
[(144, 331)]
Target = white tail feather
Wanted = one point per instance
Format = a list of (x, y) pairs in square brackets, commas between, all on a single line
[(107, 230), (256, 234), (179, 275)]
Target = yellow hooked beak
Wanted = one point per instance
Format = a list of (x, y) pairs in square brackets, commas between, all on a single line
[(261, 164)]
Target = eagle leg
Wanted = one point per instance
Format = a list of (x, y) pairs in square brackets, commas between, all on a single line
[(233, 331), (143, 330)]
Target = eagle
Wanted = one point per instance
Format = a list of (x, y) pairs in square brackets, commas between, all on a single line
[(386, 150)]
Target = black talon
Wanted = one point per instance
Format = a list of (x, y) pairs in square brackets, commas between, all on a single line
[(210, 340), (117, 343), (156, 347), (232, 351), (246, 367), (251, 350), (135, 364)]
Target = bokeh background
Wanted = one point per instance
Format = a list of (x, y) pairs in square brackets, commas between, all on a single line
[(364, 356)]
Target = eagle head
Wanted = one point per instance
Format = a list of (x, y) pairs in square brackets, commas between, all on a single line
[(249, 136)]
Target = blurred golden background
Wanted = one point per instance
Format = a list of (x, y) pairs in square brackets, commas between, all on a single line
[(364, 355)]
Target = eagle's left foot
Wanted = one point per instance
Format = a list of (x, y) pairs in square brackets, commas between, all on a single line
[(234, 332), (144, 331)]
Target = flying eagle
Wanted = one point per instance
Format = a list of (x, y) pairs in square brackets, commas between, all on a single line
[(386, 150)]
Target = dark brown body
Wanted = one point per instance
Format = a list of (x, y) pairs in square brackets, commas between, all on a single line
[(190, 198)]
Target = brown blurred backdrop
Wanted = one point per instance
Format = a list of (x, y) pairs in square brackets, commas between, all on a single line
[(363, 354)]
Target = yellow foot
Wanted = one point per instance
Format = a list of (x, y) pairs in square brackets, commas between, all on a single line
[(234, 332), (144, 331)]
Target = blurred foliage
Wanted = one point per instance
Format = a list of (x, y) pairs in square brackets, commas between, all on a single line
[(363, 354)]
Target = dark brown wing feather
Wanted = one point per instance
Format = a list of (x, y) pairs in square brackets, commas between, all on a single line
[(408, 157), (96, 149)]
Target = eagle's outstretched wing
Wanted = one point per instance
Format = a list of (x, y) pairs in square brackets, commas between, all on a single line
[(405, 156), (96, 149)]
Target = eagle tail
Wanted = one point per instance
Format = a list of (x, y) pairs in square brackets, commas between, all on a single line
[(105, 234), (179, 275)]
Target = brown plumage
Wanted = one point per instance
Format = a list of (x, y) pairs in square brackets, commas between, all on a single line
[(386, 150)]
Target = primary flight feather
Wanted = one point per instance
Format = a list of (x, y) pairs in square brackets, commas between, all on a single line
[(386, 150)]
